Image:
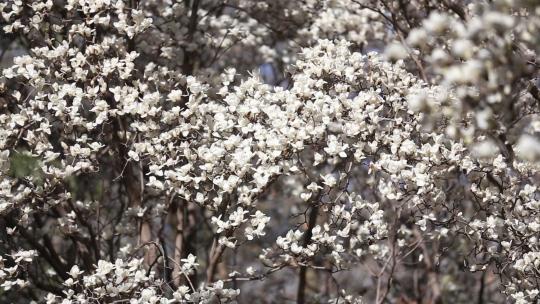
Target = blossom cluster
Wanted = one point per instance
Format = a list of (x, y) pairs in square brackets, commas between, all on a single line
[(209, 151)]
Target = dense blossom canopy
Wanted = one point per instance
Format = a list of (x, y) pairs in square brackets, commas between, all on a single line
[(225, 151)]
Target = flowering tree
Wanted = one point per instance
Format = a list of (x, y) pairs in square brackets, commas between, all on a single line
[(315, 151)]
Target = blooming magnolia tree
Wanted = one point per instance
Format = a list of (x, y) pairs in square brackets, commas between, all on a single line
[(228, 151)]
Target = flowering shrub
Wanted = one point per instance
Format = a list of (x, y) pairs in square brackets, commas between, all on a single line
[(204, 151)]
